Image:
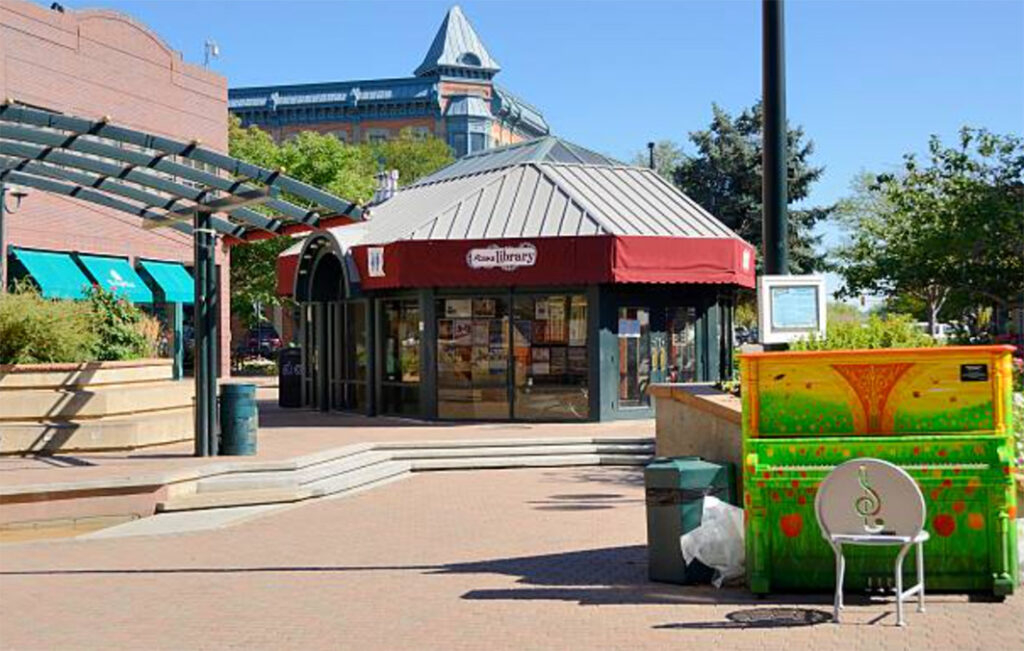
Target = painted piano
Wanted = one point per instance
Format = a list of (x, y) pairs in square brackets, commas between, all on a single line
[(943, 414)]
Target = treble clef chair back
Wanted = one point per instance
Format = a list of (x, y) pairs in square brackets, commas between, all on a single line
[(865, 497)]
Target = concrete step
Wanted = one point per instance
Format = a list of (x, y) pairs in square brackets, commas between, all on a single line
[(361, 466), (358, 479), (235, 498), (95, 434), (94, 402), (281, 478)]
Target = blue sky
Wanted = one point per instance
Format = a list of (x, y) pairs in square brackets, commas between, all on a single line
[(868, 79)]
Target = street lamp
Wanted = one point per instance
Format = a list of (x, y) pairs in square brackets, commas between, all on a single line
[(17, 194)]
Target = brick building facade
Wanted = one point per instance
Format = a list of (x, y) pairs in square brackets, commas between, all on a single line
[(96, 63), (452, 95)]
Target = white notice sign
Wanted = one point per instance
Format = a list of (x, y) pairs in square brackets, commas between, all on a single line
[(375, 261), (506, 258)]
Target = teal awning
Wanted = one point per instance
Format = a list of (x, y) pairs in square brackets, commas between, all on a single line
[(116, 275), (56, 273), (172, 280)]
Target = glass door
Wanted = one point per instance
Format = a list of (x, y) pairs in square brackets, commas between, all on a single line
[(634, 356), (682, 344), (400, 373)]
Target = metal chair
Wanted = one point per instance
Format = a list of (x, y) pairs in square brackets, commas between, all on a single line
[(873, 502)]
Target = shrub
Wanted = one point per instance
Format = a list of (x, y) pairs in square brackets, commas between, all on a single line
[(895, 331), (37, 330), (123, 331)]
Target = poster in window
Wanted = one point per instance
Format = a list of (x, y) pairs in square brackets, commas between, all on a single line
[(522, 334), (540, 332), (540, 309), (497, 329), (497, 357), (558, 361), (541, 361), (445, 330), (578, 323), (577, 360), (481, 332), (458, 307), (462, 332), (484, 307), (481, 363)]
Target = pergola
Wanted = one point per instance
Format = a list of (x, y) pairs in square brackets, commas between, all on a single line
[(167, 183)]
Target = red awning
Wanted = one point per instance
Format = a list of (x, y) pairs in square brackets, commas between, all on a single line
[(554, 261), (287, 263)]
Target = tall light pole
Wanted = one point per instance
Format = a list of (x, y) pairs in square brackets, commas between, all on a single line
[(774, 192)]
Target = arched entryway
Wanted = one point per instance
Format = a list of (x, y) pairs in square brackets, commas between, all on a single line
[(335, 329)]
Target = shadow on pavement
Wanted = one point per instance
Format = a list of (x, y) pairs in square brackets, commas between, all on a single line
[(760, 618)]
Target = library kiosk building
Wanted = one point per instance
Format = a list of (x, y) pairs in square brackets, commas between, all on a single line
[(538, 281)]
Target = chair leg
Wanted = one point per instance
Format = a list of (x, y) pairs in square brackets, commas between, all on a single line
[(842, 577), (920, 577), (899, 585), (837, 601)]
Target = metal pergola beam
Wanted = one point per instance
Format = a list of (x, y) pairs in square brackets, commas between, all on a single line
[(159, 161), (193, 151), (139, 174), (82, 186), (69, 162)]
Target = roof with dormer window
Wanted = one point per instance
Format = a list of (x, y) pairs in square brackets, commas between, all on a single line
[(456, 47)]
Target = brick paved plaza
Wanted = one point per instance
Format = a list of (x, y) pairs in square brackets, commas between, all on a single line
[(517, 559)]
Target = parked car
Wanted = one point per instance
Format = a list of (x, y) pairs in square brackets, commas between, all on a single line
[(263, 340)]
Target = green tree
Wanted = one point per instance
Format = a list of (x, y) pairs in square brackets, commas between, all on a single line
[(412, 155), (324, 162), (947, 231), (725, 178), (668, 155)]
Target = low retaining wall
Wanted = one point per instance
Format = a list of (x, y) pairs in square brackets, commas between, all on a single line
[(698, 419), (55, 408)]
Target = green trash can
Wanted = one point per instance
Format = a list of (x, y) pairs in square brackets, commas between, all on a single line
[(238, 419), (675, 491)]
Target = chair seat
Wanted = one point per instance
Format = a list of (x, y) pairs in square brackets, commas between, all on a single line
[(878, 539)]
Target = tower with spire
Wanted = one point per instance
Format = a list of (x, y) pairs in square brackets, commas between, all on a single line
[(451, 95)]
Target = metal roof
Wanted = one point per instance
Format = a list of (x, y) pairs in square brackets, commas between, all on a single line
[(547, 149), (468, 106), (455, 39), (512, 108), (540, 199), (338, 92)]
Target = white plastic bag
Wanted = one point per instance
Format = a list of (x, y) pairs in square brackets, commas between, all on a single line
[(718, 541)]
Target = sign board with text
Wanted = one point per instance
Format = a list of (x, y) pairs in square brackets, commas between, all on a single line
[(790, 308)]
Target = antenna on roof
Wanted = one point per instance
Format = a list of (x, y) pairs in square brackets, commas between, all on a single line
[(210, 51)]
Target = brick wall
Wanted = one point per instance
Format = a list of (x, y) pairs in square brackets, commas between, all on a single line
[(96, 63)]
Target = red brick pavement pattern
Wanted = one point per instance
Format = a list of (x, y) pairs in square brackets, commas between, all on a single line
[(516, 559)]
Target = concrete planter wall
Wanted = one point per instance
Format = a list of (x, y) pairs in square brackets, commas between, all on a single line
[(697, 419), (49, 408)]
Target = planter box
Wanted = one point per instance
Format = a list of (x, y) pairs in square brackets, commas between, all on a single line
[(56, 408)]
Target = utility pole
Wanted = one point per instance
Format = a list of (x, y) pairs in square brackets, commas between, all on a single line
[(774, 192)]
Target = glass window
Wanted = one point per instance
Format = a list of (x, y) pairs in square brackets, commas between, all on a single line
[(400, 330), (472, 358), (682, 344), (354, 369), (477, 142), (549, 338), (634, 356)]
